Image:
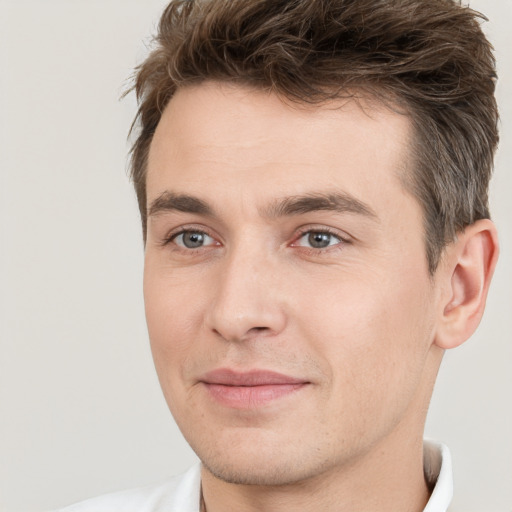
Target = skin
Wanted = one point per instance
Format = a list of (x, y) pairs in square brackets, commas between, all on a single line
[(360, 321)]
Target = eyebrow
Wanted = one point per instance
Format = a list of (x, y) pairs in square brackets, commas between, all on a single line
[(169, 201), (339, 202)]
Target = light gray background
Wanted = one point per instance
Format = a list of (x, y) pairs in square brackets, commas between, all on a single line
[(81, 411)]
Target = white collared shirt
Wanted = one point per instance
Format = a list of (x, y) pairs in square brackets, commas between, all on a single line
[(182, 493)]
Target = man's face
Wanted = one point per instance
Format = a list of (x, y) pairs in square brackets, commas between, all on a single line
[(289, 305)]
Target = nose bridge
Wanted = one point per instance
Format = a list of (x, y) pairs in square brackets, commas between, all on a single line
[(247, 298)]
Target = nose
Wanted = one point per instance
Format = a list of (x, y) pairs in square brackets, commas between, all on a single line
[(247, 298)]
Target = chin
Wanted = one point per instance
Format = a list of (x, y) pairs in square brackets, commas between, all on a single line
[(267, 473), (249, 462)]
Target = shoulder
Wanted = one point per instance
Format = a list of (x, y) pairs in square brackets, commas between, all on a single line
[(179, 494)]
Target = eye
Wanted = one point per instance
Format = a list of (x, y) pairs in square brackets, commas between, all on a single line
[(318, 240), (193, 239)]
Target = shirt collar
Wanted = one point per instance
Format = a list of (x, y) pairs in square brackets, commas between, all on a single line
[(438, 473)]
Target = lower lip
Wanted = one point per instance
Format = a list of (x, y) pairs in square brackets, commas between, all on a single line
[(248, 397)]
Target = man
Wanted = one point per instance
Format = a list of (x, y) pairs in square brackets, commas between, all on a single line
[(312, 178)]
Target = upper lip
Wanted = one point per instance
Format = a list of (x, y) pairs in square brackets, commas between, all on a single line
[(228, 377)]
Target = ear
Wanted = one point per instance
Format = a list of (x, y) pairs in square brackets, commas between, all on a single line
[(467, 268)]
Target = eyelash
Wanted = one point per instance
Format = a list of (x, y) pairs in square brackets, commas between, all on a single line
[(343, 240), (183, 230), (170, 238)]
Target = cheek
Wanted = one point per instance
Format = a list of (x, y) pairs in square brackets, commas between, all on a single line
[(373, 336), (173, 312)]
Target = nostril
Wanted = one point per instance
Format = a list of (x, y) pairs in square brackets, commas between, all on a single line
[(247, 335), (255, 331)]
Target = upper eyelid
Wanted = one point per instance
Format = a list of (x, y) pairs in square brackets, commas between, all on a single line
[(173, 233), (342, 235)]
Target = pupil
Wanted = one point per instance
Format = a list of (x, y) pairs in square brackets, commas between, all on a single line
[(319, 240), (193, 240)]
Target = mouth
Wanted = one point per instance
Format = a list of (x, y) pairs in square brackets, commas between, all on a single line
[(247, 390)]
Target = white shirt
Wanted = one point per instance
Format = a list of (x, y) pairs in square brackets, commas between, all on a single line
[(182, 493)]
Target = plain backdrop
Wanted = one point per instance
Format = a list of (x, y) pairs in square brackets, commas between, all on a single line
[(81, 412)]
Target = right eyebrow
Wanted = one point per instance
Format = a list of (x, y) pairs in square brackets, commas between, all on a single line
[(169, 201)]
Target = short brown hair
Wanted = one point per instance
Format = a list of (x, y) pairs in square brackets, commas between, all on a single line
[(429, 57)]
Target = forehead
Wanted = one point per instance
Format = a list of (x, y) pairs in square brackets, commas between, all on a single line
[(217, 112), (252, 142)]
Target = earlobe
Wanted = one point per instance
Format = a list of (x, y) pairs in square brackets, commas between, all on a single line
[(468, 269)]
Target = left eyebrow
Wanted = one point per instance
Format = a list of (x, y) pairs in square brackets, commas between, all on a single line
[(339, 202)]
